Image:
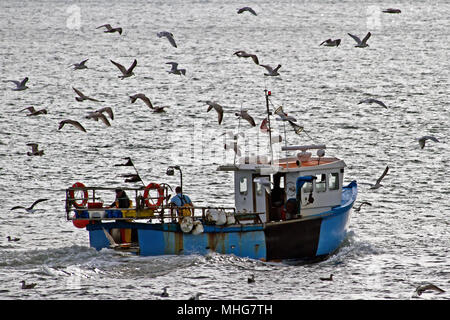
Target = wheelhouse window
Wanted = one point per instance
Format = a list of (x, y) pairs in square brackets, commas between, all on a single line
[(307, 187), (321, 183), (333, 181), (258, 189), (243, 188)]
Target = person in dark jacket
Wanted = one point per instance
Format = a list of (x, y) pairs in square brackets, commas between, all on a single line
[(122, 200)]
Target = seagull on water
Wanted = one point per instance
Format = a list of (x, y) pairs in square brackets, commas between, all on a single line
[(243, 54), (362, 203), (265, 182), (271, 72), (422, 288), (30, 208), (110, 29), (241, 10), (169, 37), (81, 96), (425, 138), (74, 123), (251, 279), (330, 278), (20, 85), (34, 112), (175, 69), (165, 294), (125, 72), (196, 296), (12, 239), (361, 44), (378, 182), (98, 115), (244, 115), (27, 286), (34, 150), (79, 66), (371, 100), (331, 43), (217, 107), (392, 10)]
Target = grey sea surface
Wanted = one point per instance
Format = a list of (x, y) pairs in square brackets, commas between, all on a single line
[(393, 246)]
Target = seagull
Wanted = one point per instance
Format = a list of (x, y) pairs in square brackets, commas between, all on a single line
[(243, 54), (20, 85), (361, 44), (244, 114), (108, 110), (430, 286), (29, 209), (169, 37), (425, 138), (217, 107), (196, 296), (34, 150), (72, 122), (251, 279), (175, 69), (27, 286), (112, 243), (234, 146), (81, 96), (362, 203), (147, 101), (370, 101), (330, 278), (165, 294), (271, 72), (110, 29), (12, 239), (378, 182), (331, 43), (265, 182), (79, 66), (125, 72), (392, 10), (264, 125), (98, 115), (34, 112), (241, 10)]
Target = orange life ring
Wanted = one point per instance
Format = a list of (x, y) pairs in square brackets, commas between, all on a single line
[(85, 195), (149, 202)]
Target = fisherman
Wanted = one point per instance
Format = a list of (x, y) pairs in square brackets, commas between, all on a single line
[(122, 200), (180, 199)]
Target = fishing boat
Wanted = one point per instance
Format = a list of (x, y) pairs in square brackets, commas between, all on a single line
[(292, 207)]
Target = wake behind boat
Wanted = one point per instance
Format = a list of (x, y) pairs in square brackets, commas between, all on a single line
[(294, 207)]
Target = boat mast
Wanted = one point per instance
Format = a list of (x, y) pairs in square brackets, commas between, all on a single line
[(267, 94)]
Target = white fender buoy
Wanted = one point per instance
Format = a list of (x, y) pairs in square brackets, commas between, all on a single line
[(186, 224), (216, 217), (198, 228), (230, 218)]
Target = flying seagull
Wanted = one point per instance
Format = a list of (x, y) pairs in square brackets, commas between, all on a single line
[(79, 66), (98, 115), (27, 286), (331, 43), (110, 29), (81, 96), (147, 101), (169, 37), (370, 101), (20, 85), (271, 72), (241, 10), (108, 110), (362, 203), (361, 44), (243, 54), (330, 278), (430, 286), (217, 107), (30, 208), (378, 182), (175, 69), (244, 115), (112, 243), (34, 112), (72, 122), (125, 72), (34, 150), (425, 138)]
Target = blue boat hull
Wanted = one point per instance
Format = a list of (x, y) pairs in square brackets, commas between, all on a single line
[(310, 237)]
